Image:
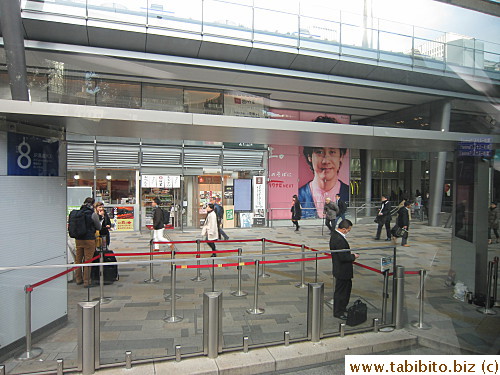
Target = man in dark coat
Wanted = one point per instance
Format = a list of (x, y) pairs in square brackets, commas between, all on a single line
[(403, 221), (384, 218), (341, 268)]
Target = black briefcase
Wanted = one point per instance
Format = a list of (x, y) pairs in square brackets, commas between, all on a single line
[(356, 314)]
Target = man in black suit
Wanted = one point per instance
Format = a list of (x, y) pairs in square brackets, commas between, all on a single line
[(384, 218), (341, 268)]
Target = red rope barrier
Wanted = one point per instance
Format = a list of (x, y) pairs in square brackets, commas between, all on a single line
[(33, 286), (283, 243), (367, 267), (412, 272), (206, 252), (138, 254)]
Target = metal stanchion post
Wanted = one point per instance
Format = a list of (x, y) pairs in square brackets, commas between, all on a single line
[(385, 297), (263, 274), (315, 311), (487, 310), (151, 279), (495, 282), (178, 353), (286, 338), (172, 318), (342, 329), (128, 360), (420, 324), (30, 352), (168, 297), (316, 271), (2, 369), (88, 337), (60, 367), (245, 344), (302, 270), (102, 299), (239, 292), (198, 277), (212, 324), (375, 325), (256, 310), (399, 296)]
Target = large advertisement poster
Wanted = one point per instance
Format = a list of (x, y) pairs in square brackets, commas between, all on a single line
[(313, 173)]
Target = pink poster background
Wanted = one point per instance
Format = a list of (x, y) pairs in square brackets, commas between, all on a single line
[(288, 171), (283, 179)]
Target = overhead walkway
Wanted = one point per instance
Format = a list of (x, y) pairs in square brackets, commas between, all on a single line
[(134, 319)]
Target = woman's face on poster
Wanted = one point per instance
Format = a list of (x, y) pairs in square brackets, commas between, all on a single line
[(326, 162)]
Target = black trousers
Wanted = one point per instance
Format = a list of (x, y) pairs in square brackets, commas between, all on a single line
[(341, 296), (387, 224), (330, 223)]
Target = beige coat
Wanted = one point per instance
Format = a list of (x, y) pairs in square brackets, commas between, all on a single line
[(210, 228)]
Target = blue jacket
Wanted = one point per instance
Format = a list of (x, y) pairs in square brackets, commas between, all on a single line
[(307, 202)]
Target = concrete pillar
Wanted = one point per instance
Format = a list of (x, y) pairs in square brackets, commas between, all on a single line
[(440, 121), (13, 38), (366, 177)]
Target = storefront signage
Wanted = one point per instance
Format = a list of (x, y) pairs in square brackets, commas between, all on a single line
[(259, 197), (160, 181), (123, 218), (32, 156)]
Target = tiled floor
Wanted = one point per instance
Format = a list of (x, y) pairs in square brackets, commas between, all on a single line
[(134, 319)]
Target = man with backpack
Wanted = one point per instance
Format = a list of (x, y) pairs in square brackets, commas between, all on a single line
[(83, 224), (158, 223), (219, 212)]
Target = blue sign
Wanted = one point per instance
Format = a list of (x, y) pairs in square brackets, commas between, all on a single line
[(476, 147), (28, 155)]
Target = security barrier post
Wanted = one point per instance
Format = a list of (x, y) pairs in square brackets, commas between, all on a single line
[(286, 338), (302, 269), (375, 325), (178, 353), (2, 369), (151, 279), (212, 324), (342, 329), (168, 297), (245, 344), (315, 294), (30, 352), (198, 277), (399, 297), (420, 324), (172, 318), (385, 297), (239, 292), (128, 360), (88, 337), (102, 299), (263, 274), (256, 310), (60, 367), (487, 310), (495, 282)]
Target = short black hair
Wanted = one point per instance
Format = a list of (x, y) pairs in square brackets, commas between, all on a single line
[(345, 224), (89, 200), (211, 205), (157, 200), (308, 151)]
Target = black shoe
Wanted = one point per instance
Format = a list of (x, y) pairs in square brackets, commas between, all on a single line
[(213, 255), (226, 238), (296, 229), (388, 239), (79, 283), (341, 317), (377, 239), (89, 286)]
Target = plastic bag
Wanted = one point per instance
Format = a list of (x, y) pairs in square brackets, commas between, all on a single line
[(460, 291)]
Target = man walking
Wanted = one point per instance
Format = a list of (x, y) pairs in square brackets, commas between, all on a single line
[(219, 212), (384, 218), (342, 207), (342, 269), (330, 211)]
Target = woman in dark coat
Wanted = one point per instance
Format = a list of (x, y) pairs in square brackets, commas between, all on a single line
[(296, 211), (403, 221)]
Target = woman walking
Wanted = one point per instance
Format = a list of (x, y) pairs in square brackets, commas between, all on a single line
[(492, 222), (296, 211), (403, 221)]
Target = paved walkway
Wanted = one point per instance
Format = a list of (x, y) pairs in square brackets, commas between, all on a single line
[(134, 319)]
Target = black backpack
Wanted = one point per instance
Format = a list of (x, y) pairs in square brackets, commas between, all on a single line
[(77, 226)]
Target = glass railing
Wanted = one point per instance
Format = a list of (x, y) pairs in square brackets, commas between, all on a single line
[(154, 307), (341, 33)]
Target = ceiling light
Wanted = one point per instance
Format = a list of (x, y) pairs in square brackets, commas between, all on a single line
[(108, 177), (76, 176)]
